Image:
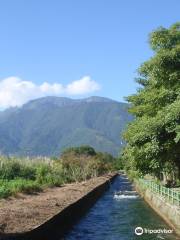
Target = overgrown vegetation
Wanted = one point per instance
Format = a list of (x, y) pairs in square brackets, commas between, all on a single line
[(30, 175), (153, 138)]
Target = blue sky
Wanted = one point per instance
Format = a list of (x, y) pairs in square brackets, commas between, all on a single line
[(55, 47)]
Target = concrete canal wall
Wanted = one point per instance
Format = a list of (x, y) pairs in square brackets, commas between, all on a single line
[(168, 211)]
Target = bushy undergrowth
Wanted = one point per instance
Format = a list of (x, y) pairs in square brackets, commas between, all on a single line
[(132, 175), (32, 175), (28, 175)]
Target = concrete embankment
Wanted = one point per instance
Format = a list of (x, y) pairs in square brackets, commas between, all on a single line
[(169, 212), (49, 215)]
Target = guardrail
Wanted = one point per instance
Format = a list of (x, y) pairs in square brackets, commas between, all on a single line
[(169, 194)]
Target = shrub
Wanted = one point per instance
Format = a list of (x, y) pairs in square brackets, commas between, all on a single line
[(82, 150), (23, 185), (133, 175), (4, 191), (28, 172), (10, 169), (13, 168), (42, 171)]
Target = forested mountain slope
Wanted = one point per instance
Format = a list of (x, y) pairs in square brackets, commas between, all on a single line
[(48, 125)]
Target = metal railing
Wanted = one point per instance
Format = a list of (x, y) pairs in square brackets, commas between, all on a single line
[(169, 194)]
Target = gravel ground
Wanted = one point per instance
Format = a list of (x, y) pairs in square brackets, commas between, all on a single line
[(25, 212)]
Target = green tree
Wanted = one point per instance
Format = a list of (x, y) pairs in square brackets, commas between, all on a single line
[(153, 138), (81, 150)]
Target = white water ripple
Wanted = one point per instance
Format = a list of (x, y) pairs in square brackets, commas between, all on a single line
[(126, 195)]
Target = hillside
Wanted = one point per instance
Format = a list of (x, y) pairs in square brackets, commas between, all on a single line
[(48, 125)]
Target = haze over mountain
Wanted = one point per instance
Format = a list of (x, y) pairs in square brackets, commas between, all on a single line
[(48, 125)]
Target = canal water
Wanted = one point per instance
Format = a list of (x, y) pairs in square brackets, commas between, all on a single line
[(115, 217)]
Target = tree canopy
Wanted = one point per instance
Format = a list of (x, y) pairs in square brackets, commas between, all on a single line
[(153, 138), (84, 149)]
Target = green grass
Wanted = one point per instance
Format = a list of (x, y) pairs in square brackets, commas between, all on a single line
[(12, 187)]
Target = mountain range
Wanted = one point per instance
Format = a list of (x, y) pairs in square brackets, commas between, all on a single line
[(46, 126)]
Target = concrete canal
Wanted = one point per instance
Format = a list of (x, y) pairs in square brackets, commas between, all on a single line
[(117, 214)]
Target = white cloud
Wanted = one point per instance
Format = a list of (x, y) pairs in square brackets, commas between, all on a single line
[(82, 86), (15, 92)]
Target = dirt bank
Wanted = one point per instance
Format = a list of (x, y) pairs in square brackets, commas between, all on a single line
[(26, 212)]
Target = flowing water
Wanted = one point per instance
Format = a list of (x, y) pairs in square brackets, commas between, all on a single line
[(115, 217)]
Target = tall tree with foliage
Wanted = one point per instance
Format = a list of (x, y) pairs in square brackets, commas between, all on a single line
[(153, 138)]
